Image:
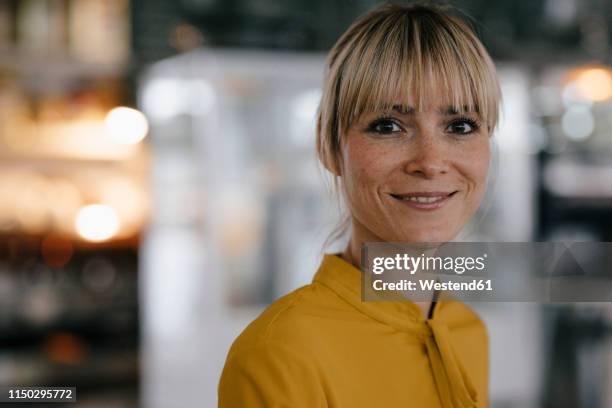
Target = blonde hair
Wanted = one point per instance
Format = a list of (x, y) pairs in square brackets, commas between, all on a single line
[(395, 52)]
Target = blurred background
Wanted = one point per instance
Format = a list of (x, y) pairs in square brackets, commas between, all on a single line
[(158, 187)]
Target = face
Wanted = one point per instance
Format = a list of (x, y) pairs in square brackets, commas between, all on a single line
[(414, 176)]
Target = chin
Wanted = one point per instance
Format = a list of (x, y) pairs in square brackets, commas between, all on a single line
[(427, 235)]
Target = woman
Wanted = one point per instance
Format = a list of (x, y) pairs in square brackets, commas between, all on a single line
[(409, 103)]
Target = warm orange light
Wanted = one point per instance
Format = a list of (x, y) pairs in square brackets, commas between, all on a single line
[(128, 199), (126, 125), (97, 222), (56, 250), (595, 84), (65, 348)]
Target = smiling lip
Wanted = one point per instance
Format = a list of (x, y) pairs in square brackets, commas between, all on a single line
[(425, 200)]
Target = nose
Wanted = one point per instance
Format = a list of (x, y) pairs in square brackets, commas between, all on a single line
[(427, 158)]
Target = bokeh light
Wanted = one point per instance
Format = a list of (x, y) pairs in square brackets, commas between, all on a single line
[(578, 122), (595, 84), (126, 125), (97, 222)]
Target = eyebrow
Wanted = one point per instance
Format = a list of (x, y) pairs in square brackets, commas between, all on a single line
[(446, 110), (403, 109)]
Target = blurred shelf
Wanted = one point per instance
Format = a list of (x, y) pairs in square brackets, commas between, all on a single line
[(42, 66), (586, 182), (575, 197), (102, 327), (99, 368), (57, 164), (8, 239)]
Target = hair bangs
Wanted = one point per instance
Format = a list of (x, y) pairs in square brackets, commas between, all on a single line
[(412, 63)]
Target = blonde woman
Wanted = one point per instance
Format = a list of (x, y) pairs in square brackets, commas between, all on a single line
[(410, 101)]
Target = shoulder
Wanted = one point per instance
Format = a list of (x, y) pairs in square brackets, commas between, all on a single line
[(293, 320), (273, 361)]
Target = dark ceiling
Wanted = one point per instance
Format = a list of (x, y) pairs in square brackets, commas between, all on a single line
[(532, 31)]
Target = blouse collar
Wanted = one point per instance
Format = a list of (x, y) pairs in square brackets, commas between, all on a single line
[(345, 280), (456, 389)]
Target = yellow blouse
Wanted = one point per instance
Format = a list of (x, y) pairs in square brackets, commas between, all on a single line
[(321, 346)]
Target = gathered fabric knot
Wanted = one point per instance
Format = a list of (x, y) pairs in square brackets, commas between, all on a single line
[(456, 390)]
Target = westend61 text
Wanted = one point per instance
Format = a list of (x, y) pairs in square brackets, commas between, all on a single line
[(432, 284)]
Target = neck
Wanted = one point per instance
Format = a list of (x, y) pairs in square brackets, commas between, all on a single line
[(352, 254), (359, 235)]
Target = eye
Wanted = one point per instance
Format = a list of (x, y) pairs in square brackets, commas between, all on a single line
[(384, 126), (463, 126)]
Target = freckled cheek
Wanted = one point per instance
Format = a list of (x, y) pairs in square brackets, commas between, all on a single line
[(476, 167), (365, 172)]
